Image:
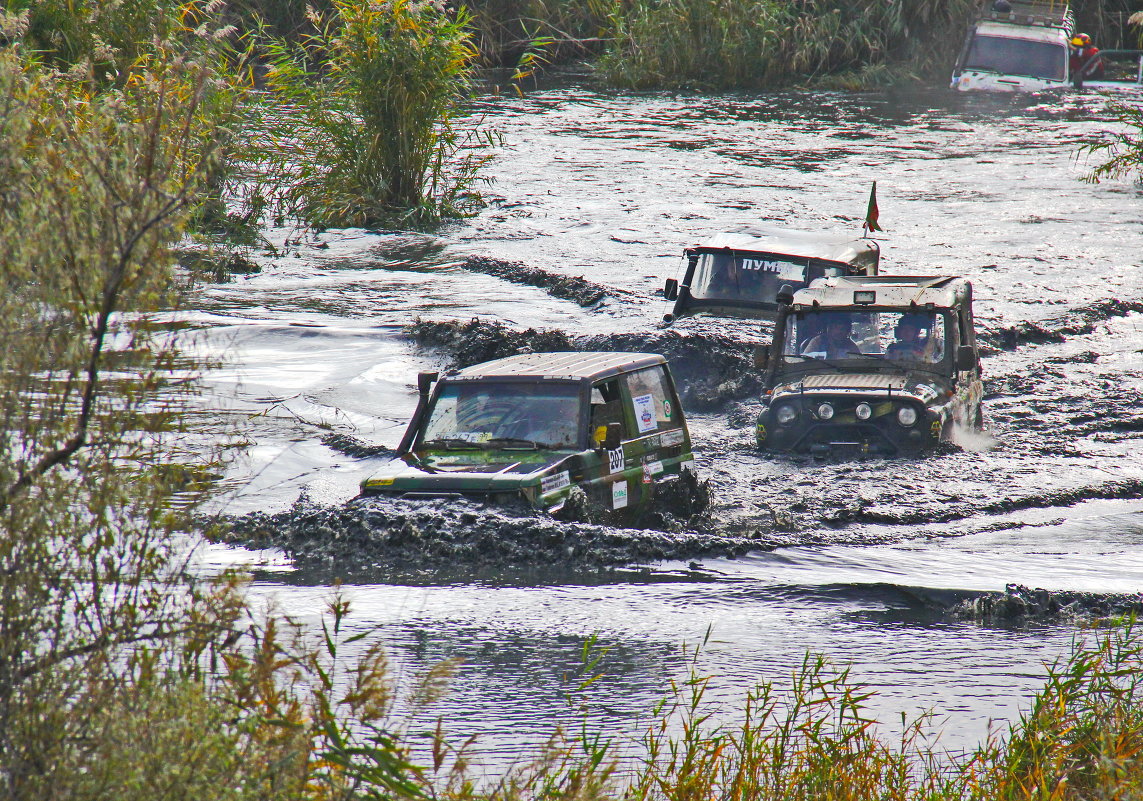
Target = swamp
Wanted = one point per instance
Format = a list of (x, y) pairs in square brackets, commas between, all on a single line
[(184, 549)]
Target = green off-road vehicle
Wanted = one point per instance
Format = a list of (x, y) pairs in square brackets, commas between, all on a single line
[(536, 425), (882, 364)]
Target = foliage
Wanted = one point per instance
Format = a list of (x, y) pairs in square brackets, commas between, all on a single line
[(364, 127), (505, 30), (98, 41), (95, 189), (1124, 147), (723, 43), (1083, 735), (1082, 738)]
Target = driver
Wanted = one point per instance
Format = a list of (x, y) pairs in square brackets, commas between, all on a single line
[(910, 343), (834, 339)]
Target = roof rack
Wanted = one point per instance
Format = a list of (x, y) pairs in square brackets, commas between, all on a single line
[(1047, 13)]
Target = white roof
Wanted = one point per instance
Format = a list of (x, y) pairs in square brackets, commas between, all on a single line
[(943, 291), (1031, 33), (828, 245)]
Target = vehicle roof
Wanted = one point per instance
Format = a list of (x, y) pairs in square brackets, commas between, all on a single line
[(1053, 13), (1007, 30), (892, 290), (828, 245), (572, 366)]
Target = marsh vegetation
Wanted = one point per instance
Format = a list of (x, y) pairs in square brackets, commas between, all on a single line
[(122, 674)]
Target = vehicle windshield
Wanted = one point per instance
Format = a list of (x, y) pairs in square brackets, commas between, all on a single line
[(914, 336), (492, 414), (738, 277), (1046, 60)]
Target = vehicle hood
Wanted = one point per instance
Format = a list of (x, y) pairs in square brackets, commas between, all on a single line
[(923, 386), (464, 471)]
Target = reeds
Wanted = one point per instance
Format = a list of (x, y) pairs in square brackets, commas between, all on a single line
[(362, 127), (1082, 738), (753, 43)]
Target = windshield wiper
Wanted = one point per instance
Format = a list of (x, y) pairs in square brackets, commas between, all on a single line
[(449, 443), (517, 442)]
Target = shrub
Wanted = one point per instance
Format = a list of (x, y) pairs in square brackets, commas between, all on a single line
[(751, 43), (364, 128)]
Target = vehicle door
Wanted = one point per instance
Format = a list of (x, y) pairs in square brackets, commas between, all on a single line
[(608, 473), (969, 388), (660, 443)]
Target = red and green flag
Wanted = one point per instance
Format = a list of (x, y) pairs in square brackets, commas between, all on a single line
[(872, 212)]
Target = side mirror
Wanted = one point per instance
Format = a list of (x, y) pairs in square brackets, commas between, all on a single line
[(614, 436), (762, 356), (965, 358), (785, 295), (671, 289), (425, 382)]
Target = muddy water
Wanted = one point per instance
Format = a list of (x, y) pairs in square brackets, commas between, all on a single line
[(864, 561)]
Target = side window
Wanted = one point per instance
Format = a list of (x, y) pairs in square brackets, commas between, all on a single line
[(606, 408), (651, 399)]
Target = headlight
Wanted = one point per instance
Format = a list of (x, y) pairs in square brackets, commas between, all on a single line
[(863, 411), (825, 411), (906, 415), (785, 413)]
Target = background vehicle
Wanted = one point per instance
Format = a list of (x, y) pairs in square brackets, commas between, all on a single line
[(868, 391), (739, 274), (1018, 46), (532, 426)]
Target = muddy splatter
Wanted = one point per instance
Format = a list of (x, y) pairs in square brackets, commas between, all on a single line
[(1075, 321), (574, 288), (1020, 605), (371, 532), (351, 446)]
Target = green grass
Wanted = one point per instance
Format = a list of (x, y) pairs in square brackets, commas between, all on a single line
[(718, 44)]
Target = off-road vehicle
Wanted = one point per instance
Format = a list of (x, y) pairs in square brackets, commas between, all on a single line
[(531, 427), (876, 364), (739, 274)]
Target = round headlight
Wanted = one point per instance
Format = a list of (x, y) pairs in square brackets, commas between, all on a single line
[(825, 411), (863, 411), (785, 413), (906, 415)]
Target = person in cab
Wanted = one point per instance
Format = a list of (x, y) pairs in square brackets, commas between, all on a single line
[(834, 341), (913, 339)]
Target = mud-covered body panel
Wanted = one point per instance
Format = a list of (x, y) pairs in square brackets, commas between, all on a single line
[(857, 387)]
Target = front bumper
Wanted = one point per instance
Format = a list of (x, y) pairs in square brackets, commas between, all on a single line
[(845, 434)]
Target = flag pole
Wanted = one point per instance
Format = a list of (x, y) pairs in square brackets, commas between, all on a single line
[(871, 213)]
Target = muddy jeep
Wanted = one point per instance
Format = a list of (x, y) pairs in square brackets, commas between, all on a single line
[(532, 427), (739, 274), (883, 365)]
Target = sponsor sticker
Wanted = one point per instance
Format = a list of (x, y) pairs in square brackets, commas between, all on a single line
[(380, 482), (645, 412), (674, 437), (554, 482), (647, 474), (615, 459), (654, 468), (619, 495), (666, 409)]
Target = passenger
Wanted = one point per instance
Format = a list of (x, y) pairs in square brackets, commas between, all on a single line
[(910, 344), (834, 340), (727, 281), (1081, 52)]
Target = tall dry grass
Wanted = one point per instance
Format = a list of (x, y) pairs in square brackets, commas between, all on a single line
[(362, 124), (755, 43)]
